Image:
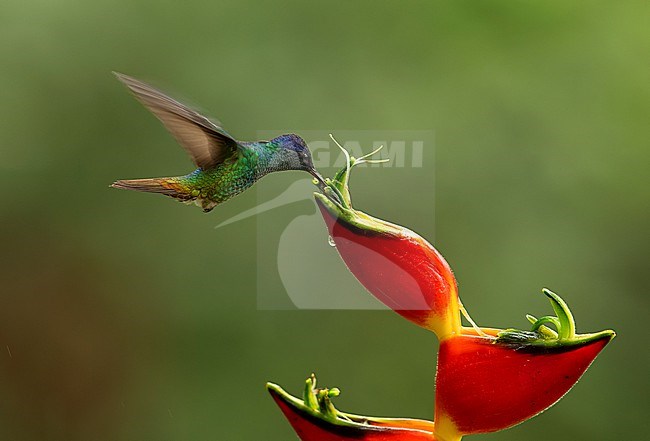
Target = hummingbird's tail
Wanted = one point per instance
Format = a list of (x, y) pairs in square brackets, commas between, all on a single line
[(167, 186)]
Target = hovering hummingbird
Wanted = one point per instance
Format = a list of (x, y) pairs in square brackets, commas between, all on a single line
[(226, 167)]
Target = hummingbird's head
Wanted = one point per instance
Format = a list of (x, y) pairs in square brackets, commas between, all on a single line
[(296, 154)]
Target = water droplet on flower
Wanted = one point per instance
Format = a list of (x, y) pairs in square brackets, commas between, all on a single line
[(330, 241)]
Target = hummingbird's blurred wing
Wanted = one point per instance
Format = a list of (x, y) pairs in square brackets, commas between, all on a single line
[(207, 143)]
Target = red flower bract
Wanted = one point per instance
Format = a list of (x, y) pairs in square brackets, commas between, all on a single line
[(484, 386), (486, 379), (313, 425), (397, 266)]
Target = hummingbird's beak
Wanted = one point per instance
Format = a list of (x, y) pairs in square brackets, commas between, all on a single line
[(323, 185), (318, 176)]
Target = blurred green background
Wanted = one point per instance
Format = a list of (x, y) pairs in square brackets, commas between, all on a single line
[(126, 316)]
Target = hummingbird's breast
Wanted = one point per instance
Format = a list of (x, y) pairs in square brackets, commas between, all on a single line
[(212, 187), (230, 180)]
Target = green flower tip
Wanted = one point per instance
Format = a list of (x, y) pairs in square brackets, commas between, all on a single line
[(318, 400), (542, 335), (309, 394), (566, 327), (336, 188)]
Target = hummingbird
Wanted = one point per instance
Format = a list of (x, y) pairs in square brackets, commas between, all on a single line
[(226, 167)]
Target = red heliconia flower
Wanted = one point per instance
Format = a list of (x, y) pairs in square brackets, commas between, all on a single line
[(489, 380), (396, 265), (314, 418), (486, 380), (485, 387)]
